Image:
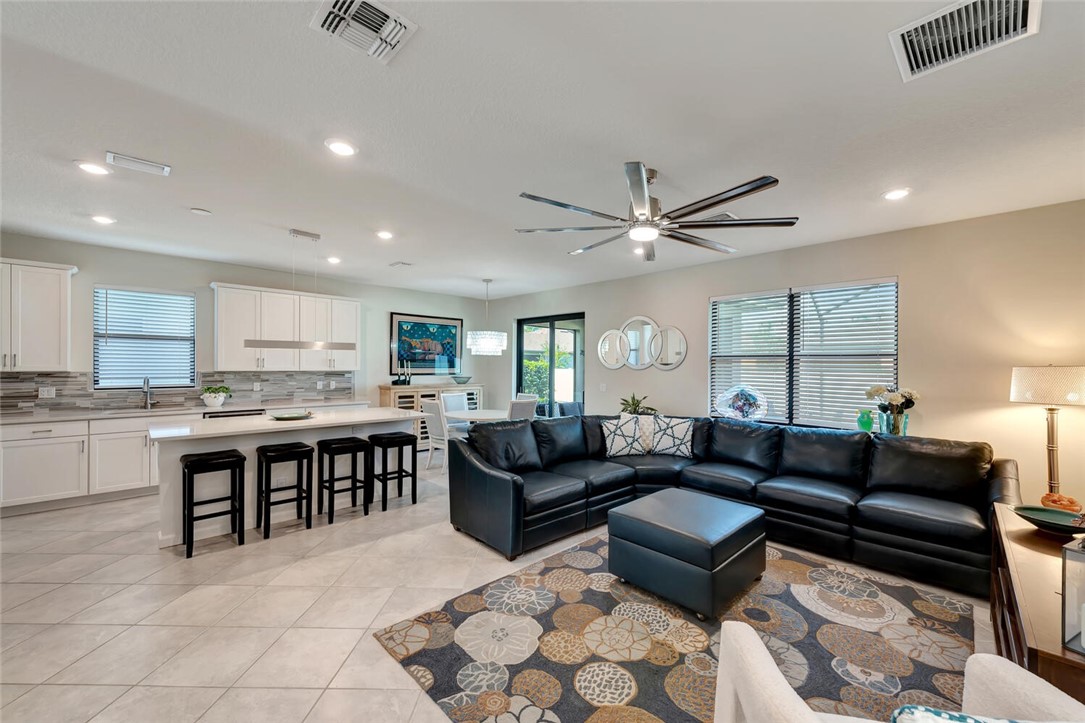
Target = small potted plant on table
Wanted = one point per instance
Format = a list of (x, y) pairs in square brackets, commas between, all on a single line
[(214, 396)]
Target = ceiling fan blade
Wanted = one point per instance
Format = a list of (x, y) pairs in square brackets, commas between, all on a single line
[(596, 245), (566, 228), (732, 194), (570, 207), (637, 177), (649, 250), (698, 241), (724, 223)]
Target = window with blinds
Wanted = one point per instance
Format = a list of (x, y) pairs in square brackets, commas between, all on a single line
[(141, 334), (811, 352)]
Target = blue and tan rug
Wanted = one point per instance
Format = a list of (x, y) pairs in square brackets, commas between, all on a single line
[(563, 641)]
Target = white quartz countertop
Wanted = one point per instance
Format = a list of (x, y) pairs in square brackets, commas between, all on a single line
[(36, 416), (238, 426)]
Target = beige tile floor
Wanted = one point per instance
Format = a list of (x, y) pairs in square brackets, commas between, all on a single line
[(98, 624)]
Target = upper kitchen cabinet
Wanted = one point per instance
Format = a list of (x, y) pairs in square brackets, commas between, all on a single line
[(35, 321), (243, 312)]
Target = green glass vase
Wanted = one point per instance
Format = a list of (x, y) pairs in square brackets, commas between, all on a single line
[(864, 420)]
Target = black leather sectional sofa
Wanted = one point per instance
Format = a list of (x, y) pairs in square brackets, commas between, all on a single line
[(915, 506)]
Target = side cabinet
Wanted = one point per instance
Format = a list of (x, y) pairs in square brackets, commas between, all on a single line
[(43, 462), (119, 461), (237, 318), (412, 396), (38, 327)]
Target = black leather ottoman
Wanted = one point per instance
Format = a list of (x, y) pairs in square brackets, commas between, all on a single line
[(696, 550)]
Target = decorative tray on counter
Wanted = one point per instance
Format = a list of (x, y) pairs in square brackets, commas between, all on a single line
[(291, 416)]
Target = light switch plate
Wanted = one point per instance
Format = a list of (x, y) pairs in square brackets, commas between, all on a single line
[(256, 386), (47, 392), (320, 384), (331, 385), (602, 387)]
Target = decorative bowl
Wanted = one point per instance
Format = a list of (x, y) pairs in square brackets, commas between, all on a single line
[(1058, 522), (291, 416), (459, 379)]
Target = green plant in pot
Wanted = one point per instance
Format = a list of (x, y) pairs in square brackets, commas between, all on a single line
[(214, 396), (633, 405)]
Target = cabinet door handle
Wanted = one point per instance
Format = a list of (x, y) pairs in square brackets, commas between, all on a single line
[(82, 446), (5, 364), (42, 431), (145, 440), (14, 360)]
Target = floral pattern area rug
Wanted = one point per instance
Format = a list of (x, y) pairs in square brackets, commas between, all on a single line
[(564, 641)]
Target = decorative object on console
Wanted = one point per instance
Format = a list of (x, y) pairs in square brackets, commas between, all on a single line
[(1049, 519), (425, 345), (460, 379), (1052, 387), (487, 343), (1073, 596), (214, 396), (742, 402), (864, 420), (892, 404), (642, 343)]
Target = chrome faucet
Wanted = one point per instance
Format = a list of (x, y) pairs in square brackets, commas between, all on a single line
[(147, 393)]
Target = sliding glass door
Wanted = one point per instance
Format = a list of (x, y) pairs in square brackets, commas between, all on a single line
[(550, 360)]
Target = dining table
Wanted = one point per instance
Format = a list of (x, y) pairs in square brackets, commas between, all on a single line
[(477, 415)]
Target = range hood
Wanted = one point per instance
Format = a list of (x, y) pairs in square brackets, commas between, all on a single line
[(304, 345)]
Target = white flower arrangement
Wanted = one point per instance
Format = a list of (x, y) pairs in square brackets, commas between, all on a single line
[(892, 400)]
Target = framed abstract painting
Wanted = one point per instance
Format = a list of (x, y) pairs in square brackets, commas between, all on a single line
[(429, 344)]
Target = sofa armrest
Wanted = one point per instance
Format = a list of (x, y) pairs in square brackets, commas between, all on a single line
[(1003, 485), (998, 688), (484, 501)]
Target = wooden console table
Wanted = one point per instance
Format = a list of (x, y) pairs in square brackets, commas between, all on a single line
[(1026, 602), (411, 396)]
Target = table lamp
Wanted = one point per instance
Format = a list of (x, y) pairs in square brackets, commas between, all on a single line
[(1052, 387)]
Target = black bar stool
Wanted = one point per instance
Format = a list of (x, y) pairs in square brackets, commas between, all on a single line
[(229, 460), (271, 454), (399, 441), (333, 448)]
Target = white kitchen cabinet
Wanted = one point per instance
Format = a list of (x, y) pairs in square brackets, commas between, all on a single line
[(119, 461), (237, 318), (315, 324), (35, 316), (279, 322), (37, 470), (345, 317)]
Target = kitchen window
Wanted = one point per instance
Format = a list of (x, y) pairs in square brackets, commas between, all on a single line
[(141, 334), (812, 352)]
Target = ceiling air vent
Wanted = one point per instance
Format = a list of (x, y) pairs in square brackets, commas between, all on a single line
[(365, 26), (961, 31)]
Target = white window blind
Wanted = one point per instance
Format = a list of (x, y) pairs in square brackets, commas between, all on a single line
[(141, 334), (811, 352), (845, 341), (749, 345)]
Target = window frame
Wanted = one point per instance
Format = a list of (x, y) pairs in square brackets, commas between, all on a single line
[(95, 386), (792, 357)]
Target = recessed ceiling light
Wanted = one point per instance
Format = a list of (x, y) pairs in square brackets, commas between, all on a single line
[(638, 250), (576, 253), (386, 235), (896, 194), (93, 168), (104, 220), (333, 259), (340, 147), (200, 211)]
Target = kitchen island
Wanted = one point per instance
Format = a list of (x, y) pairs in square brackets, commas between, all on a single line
[(172, 440)]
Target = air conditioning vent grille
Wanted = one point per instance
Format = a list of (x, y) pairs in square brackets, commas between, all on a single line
[(364, 26), (960, 31)]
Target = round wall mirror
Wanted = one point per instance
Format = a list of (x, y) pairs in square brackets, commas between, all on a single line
[(637, 335), (667, 348), (611, 354)]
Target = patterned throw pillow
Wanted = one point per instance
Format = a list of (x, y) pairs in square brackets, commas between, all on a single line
[(647, 428), (623, 437), (924, 714), (673, 435)]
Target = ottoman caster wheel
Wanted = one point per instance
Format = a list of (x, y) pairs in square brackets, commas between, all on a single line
[(621, 579), (511, 558), (759, 577), (456, 528), (701, 617)]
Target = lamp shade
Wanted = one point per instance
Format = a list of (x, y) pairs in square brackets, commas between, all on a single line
[(1050, 385)]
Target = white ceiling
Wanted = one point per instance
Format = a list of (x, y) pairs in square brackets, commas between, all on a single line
[(490, 99)]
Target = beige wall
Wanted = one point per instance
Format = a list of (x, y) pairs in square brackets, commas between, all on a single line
[(101, 265), (977, 297)]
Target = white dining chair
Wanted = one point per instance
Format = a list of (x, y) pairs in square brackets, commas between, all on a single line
[(521, 397), (438, 431), (522, 409), (455, 402)]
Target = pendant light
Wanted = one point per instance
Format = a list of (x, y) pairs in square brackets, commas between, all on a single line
[(487, 343)]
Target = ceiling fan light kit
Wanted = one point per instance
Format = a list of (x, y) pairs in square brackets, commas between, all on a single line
[(487, 343), (646, 222)]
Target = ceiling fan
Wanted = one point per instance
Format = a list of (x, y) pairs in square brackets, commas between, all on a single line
[(646, 223)]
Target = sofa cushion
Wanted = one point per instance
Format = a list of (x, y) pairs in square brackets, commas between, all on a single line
[(655, 469), (545, 490), (601, 476), (832, 454), (818, 497), (723, 480), (955, 471), (509, 446), (673, 435), (747, 443), (559, 440), (593, 434), (623, 436), (941, 522), (702, 438)]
